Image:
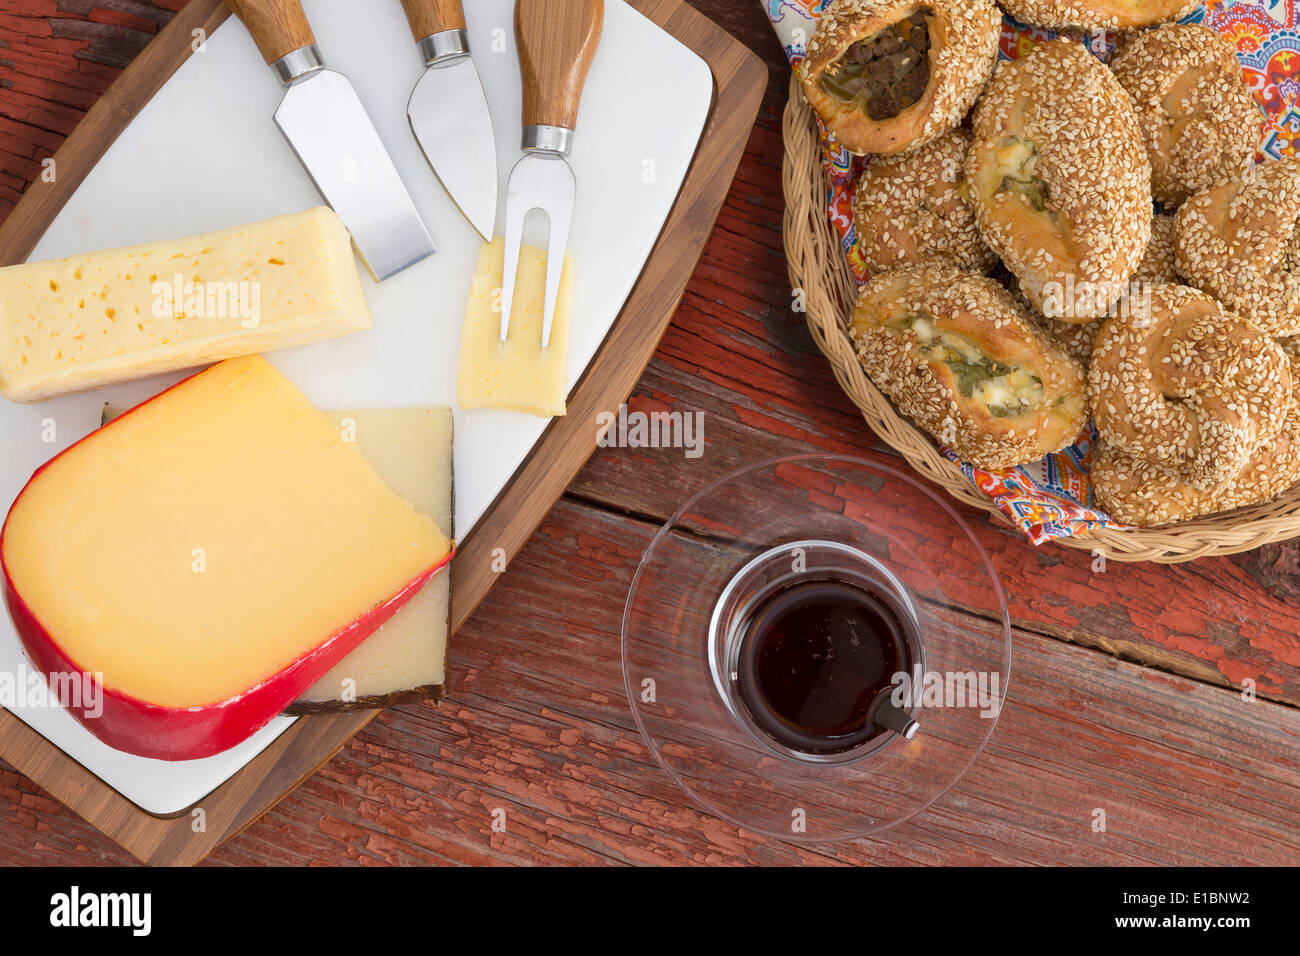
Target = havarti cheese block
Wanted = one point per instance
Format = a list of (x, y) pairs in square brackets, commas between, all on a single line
[(105, 317), (206, 557), (517, 374)]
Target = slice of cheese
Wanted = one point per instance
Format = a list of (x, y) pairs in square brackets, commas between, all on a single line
[(105, 317), (212, 553), (406, 659), (518, 374)]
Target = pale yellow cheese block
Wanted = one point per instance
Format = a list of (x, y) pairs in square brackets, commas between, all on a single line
[(407, 657), (210, 538), (518, 374), (105, 317)]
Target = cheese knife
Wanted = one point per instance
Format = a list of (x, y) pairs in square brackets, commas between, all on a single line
[(557, 41), (334, 139), (449, 113)]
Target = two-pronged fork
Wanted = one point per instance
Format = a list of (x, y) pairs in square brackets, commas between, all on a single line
[(557, 40)]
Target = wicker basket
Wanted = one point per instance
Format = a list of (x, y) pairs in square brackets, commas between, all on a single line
[(819, 268)]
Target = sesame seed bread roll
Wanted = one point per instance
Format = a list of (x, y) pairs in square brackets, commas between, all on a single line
[(1098, 14), (888, 76), (1157, 263), (1076, 339), (1291, 346), (1060, 180), (958, 355), (1140, 493), (1189, 386), (1157, 266), (1198, 119), (1237, 240), (913, 209)]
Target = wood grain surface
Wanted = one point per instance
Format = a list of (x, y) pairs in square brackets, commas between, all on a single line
[(557, 40), (428, 17), (278, 26), (1126, 690)]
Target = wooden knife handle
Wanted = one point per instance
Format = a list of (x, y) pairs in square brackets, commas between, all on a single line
[(428, 17), (278, 26), (557, 41)]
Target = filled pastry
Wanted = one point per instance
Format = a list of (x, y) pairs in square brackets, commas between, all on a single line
[(1060, 180), (962, 359), (1189, 386), (1198, 119), (1098, 14), (912, 209), (888, 76), (1237, 240)]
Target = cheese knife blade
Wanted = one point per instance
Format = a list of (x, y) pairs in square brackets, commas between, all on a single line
[(335, 140), (448, 111)]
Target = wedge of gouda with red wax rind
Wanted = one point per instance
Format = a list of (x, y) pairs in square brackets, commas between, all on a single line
[(211, 553)]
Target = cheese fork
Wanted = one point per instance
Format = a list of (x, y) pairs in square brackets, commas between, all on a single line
[(557, 41)]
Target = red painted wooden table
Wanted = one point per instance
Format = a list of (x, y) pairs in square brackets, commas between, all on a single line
[(1126, 693)]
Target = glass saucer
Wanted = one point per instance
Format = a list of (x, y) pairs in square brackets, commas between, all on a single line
[(834, 519)]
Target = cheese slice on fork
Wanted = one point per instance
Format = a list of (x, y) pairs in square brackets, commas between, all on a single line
[(517, 374)]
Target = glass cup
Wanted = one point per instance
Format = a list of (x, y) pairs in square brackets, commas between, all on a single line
[(769, 575), (769, 527)]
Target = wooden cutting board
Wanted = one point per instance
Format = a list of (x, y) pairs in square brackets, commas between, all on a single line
[(201, 155), (567, 443)]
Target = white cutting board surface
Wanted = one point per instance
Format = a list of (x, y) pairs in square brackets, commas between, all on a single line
[(204, 154)]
